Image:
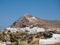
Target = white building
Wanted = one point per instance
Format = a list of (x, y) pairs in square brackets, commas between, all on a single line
[(13, 29), (2, 43), (8, 42), (40, 30), (58, 30), (22, 29), (5, 43), (54, 39)]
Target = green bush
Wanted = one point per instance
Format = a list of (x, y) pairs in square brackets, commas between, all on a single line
[(47, 35)]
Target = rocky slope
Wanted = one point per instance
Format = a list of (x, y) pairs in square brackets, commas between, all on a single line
[(28, 20)]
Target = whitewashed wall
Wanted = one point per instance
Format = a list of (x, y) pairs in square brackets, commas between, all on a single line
[(54, 39)]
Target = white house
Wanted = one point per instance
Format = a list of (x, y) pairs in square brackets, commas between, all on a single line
[(8, 42), (2, 43), (40, 30), (58, 30), (13, 29), (54, 39), (5, 43)]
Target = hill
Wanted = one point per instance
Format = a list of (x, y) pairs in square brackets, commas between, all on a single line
[(28, 20)]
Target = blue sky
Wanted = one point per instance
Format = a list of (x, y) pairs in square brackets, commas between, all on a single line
[(11, 10)]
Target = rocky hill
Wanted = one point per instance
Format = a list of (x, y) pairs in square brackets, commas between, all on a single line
[(28, 20)]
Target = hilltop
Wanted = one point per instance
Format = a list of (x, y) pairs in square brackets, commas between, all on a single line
[(27, 20)]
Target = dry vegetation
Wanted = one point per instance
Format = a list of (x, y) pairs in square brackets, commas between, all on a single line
[(23, 38)]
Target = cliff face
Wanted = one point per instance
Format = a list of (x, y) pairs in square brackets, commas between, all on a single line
[(28, 20)]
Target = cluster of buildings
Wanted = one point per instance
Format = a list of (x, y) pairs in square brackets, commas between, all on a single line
[(30, 30)]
